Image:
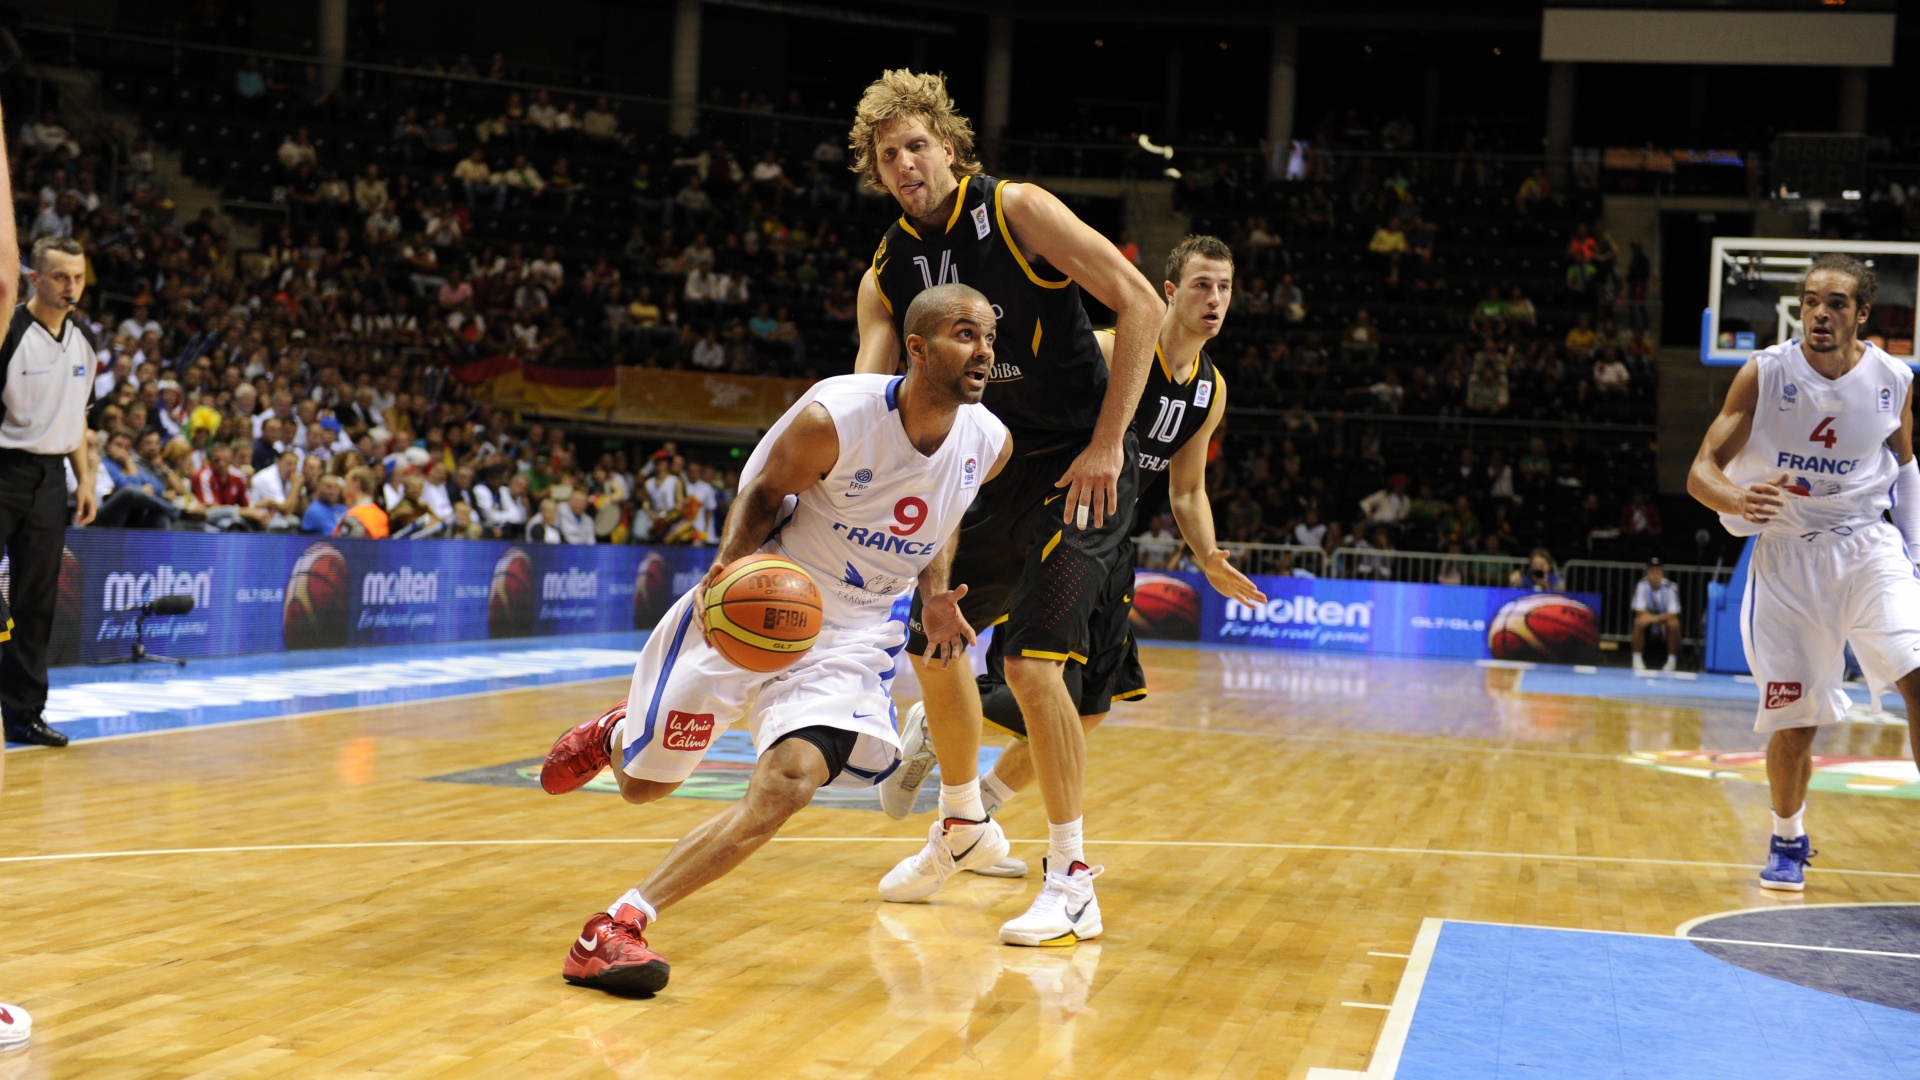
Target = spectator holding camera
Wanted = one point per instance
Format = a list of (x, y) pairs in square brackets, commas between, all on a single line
[(1541, 574)]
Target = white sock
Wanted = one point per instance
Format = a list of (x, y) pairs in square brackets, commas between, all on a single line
[(994, 791), (1064, 845), (1673, 663), (1790, 828), (962, 801), (1639, 662), (633, 897)]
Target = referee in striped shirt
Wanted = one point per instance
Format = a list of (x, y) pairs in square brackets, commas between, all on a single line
[(47, 361)]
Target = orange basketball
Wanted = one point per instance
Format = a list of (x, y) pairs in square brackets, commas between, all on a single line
[(764, 613)]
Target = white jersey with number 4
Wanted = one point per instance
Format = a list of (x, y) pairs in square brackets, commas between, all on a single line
[(1829, 436), (867, 529)]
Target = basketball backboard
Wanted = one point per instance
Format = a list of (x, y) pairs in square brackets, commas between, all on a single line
[(1753, 294)]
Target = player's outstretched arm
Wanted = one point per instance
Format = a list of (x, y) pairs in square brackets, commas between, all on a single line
[(879, 352), (1187, 491), (1042, 225), (803, 454), (1707, 481)]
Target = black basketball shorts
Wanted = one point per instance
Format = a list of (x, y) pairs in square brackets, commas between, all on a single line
[(1111, 672), (1039, 578)]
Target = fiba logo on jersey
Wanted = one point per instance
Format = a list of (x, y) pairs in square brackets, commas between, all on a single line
[(1782, 694), (1886, 399), (970, 472)]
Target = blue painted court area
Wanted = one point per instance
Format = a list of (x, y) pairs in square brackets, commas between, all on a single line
[(1518, 1001), (91, 703), (1685, 689)]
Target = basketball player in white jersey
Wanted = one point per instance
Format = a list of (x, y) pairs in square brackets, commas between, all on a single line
[(863, 483), (1813, 445)]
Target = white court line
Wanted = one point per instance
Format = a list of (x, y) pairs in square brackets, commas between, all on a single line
[(1393, 1032), (1680, 936), (1241, 845), (219, 724), (1367, 1005), (1804, 948), (1393, 955), (1686, 928)]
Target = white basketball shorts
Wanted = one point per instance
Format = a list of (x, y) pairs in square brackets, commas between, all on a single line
[(685, 693), (1806, 600)]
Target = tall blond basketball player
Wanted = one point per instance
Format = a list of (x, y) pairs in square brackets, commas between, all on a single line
[(1813, 446)]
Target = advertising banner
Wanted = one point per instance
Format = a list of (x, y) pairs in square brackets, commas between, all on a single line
[(1398, 618), (258, 593)]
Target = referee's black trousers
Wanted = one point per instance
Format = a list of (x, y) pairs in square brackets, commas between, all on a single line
[(33, 525)]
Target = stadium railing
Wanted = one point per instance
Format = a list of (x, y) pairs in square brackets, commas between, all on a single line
[(1158, 554), (1615, 582)]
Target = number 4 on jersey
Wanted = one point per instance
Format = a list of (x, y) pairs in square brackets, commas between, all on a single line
[(1824, 434)]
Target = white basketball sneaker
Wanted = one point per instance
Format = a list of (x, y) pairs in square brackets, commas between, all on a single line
[(1008, 867), (953, 844), (15, 1026), (898, 792), (1064, 912)]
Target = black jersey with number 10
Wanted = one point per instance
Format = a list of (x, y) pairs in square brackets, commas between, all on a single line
[(1048, 376), (1170, 412)]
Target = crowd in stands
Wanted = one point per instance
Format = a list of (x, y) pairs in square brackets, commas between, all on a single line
[(274, 402), (423, 231), (1373, 287), (505, 222)]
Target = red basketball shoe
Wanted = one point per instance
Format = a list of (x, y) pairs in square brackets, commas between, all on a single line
[(580, 754), (612, 954)]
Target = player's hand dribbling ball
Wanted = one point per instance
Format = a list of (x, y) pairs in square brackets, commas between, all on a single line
[(762, 612)]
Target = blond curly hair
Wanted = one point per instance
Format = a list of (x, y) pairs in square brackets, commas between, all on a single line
[(898, 94)]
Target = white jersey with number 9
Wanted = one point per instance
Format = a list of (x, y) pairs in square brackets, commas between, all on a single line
[(867, 529)]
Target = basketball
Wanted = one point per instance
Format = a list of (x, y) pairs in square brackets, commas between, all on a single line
[(764, 613), (318, 596), (510, 600), (1165, 607), (652, 591), (1545, 628)]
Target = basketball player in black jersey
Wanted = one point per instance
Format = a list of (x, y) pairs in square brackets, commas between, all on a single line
[(1184, 401), (1044, 537)]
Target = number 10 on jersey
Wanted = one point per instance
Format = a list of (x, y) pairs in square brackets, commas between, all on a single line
[(1166, 426)]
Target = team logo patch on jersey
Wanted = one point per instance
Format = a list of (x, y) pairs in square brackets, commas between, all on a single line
[(970, 472), (79, 371), (694, 731), (1782, 694), (980, 227), (1886, 399), (1789, 396), (861, 478), (1203, 394)]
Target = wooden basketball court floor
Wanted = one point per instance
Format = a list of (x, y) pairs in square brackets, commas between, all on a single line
[(1283, 837)]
